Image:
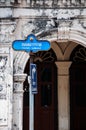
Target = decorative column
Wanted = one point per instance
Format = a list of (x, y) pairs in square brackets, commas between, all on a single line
[(63, 95), (18, 101)]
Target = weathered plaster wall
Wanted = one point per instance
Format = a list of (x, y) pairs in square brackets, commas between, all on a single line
[(55, 25), (6, 74), (6, 87)]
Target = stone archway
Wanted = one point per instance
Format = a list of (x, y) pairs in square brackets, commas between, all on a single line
[(21, 59), (45, 106), (53, 35)]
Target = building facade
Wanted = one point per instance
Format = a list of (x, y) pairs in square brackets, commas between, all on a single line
[(60, 103)]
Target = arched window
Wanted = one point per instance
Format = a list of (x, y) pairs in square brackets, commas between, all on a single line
[(78, 89), (46, 98)]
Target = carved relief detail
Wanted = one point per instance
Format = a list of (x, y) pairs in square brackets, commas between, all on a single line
[(62, 23), (17, 87), (37, 25), (27, 28), (3, 63), (3, 91), (6, 33)]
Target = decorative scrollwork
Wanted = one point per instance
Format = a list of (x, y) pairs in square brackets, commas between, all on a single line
[(43, 56), (6, 33), (3, 61), (79, 54)]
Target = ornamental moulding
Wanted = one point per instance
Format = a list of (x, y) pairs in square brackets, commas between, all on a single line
[(19, 77), (7, 31), (51, 35), (49, 25)]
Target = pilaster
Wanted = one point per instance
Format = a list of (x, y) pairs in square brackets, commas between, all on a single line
[(63, 95), (18, 101)]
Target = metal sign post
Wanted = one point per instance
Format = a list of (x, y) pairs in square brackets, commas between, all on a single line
[(31, 96), (31, 106), (31, 45)]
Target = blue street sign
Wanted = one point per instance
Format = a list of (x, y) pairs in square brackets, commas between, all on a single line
[(31, 44), (33, 74)]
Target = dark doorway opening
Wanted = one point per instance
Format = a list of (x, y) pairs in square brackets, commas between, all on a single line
[(78, 89), (46, 100)]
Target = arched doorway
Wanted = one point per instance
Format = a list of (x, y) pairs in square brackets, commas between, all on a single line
[(78, 89), (46, 98)]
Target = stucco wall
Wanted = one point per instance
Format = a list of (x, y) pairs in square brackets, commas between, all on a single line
[(55, 25)]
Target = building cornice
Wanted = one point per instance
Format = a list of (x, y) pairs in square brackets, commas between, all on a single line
[(61, 14)]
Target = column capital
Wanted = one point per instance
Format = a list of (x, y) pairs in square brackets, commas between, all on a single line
[(18, 83), (63, 67), (19, 77)]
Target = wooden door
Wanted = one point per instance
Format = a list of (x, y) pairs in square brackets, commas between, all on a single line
[(45, 101), (78, 96), (26, 106)]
